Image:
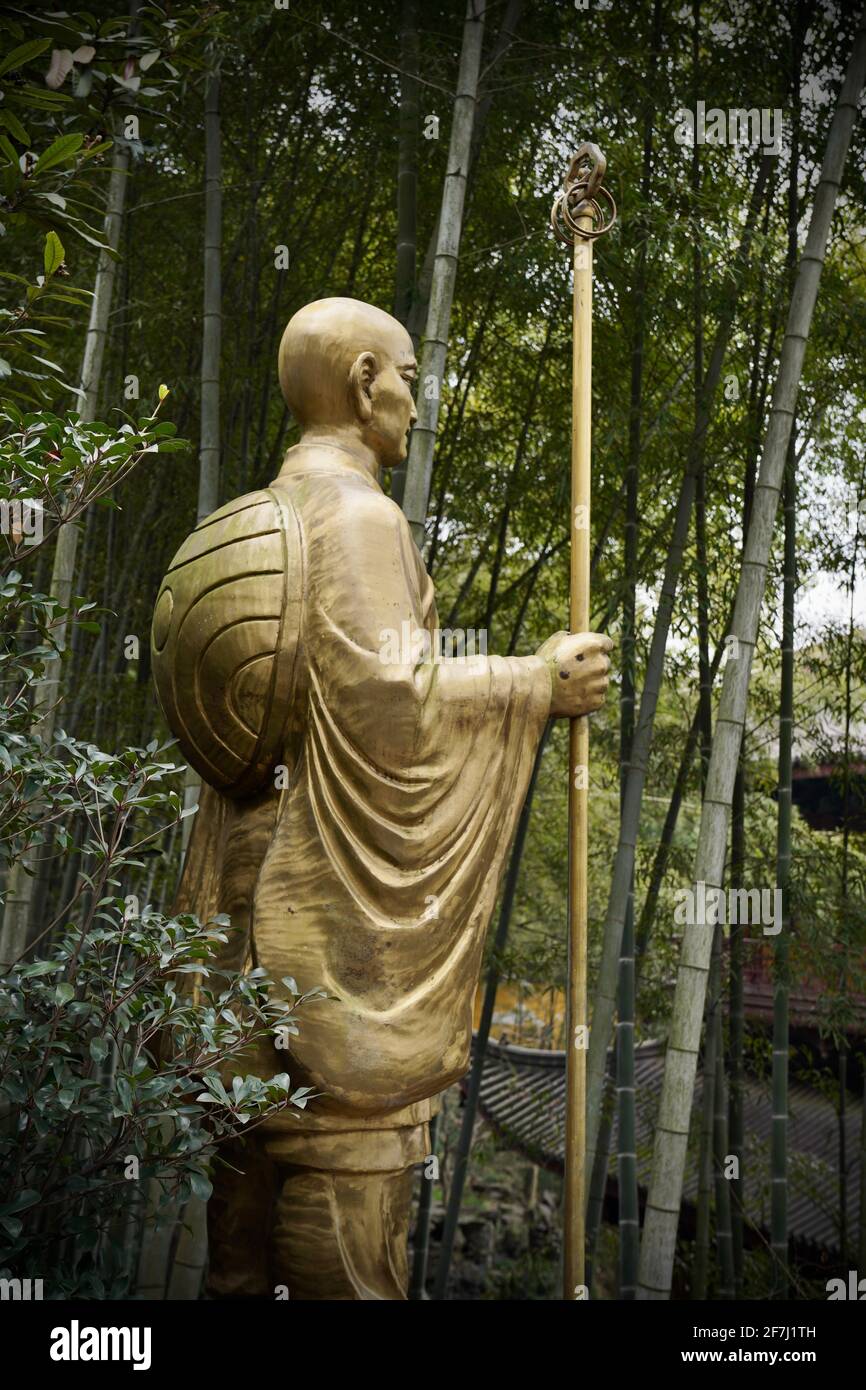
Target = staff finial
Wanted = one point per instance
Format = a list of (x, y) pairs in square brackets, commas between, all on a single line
[(579, 198)]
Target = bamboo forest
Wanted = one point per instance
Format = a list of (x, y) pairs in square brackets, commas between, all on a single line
[(432, 667)]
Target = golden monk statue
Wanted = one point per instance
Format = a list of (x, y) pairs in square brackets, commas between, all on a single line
[(359, 797)]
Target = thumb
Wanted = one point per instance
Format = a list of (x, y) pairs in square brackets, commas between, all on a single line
[(547, 650)]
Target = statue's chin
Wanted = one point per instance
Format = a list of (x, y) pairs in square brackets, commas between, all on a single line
[(390, 454)]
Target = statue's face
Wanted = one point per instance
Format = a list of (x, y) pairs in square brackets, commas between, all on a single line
[(393, 407), (346, 364)]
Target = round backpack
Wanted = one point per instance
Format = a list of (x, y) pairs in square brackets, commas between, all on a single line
[(225, 637)]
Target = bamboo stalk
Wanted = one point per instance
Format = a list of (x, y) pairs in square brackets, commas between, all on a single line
[(424, 286), (433, 354), (737, 1029), (421, 1237), (627, 1175), (846, 845), (209, 449), (781, 969), (721, 1149), (781, 973), (629, 1220), (407, 173), (598, 1174), (701, 1267), (407, 193), (663, 849), (758, 388)]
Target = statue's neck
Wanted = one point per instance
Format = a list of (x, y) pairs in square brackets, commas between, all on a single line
[(348, 442)]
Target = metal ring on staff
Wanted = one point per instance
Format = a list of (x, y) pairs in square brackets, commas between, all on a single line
[(568, 207)]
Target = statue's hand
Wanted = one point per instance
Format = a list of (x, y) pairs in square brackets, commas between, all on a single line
[(578, 665)]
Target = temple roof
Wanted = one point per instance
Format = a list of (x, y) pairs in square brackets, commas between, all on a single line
[(523, 1098)]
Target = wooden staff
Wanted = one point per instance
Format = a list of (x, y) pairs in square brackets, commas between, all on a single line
[(577, 219)]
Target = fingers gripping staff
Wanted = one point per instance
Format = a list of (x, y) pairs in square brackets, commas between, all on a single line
[(582, 211)]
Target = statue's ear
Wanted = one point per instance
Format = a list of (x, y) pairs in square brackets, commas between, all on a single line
[(361, 378)]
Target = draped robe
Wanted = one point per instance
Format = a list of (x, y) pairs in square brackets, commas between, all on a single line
[(373, 870)]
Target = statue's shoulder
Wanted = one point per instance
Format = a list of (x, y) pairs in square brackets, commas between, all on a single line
[(328, 488)]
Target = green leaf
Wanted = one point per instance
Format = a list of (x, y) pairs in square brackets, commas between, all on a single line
[(24, 1199), (12, 123), (23, 54), (38, 967), (63, 148), (55, 255), (98, 148), (201, 1186), (63, 993), (54, 198), (8, 149)]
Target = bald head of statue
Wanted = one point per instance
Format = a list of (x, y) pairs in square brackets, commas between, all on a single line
[(347, 369)]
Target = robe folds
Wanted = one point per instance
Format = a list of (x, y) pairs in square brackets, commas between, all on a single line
[(372, 872)]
